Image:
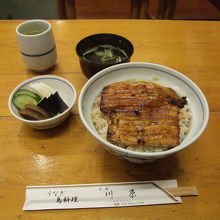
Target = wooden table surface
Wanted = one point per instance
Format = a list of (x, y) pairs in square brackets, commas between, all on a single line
[(68, 154)]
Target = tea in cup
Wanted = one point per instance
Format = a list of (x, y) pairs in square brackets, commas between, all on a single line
[(37, 44)]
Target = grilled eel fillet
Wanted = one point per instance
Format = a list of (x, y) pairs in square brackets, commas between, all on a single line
[(145, 126), (141, 114), (137, 93)]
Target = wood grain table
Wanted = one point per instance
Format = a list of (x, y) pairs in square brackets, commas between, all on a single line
[(68, 154)]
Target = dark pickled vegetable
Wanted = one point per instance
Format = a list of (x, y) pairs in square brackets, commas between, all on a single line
[(34, 112), (53, 104), (38, 109)]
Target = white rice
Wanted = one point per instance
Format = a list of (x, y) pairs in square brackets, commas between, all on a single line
[(100, 121)]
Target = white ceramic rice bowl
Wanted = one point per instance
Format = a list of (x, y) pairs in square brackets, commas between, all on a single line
[(66, 91), (145, 71)]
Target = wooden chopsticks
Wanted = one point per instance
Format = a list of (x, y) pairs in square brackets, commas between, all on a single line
[(183, 191)]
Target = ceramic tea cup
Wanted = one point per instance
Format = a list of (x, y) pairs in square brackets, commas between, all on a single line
[(37, 45)]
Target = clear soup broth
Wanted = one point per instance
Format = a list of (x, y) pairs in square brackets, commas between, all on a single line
[(105, 54)]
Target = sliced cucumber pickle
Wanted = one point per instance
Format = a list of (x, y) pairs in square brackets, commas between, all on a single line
[(21, 100), (27, 92)]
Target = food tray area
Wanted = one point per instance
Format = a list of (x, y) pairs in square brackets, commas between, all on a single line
[(68, 154)]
